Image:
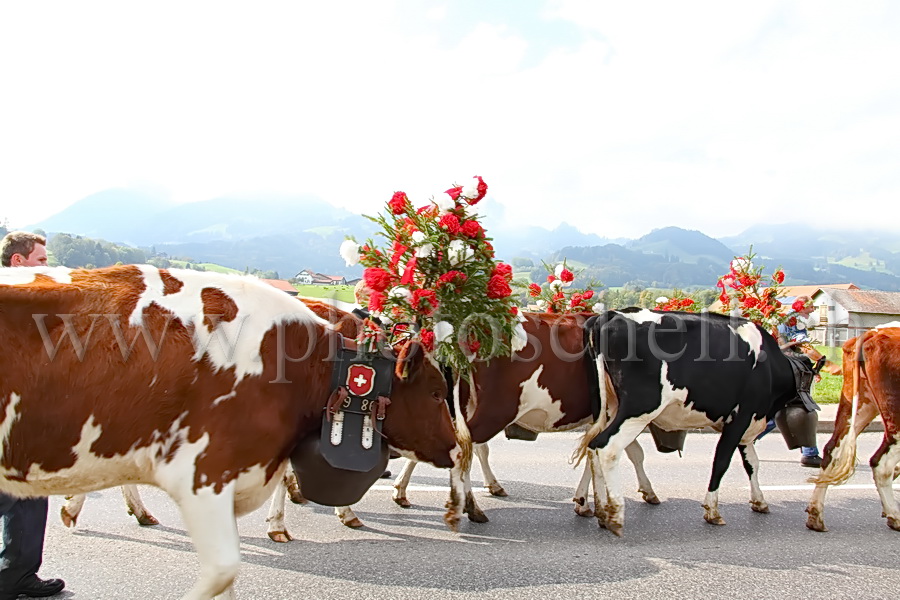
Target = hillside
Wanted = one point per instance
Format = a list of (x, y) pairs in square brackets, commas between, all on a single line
[(290, 233)]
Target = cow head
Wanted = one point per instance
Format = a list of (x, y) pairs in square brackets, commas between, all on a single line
[(418, 419)]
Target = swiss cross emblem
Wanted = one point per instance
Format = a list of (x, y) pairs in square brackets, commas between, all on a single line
[(360, 380)]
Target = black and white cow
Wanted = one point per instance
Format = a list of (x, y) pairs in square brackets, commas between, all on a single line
[(683, 371)]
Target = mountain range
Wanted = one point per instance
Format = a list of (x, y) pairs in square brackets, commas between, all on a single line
[(289, 233)]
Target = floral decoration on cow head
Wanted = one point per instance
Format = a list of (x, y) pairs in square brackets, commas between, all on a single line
[(679, 302), (557, 295), (437, 269), (741, 291)]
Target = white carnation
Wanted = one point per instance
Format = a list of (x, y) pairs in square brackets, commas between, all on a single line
[(542, 304), (470, 190), (457, 252), (662, 300), (442, 331), (444, 202), (425, 250), (741, 264), (350, 252), (400, 292), (559, 269), (556, 284), (418, 237)]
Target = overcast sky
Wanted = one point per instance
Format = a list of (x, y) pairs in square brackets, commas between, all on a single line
[(618, 117)]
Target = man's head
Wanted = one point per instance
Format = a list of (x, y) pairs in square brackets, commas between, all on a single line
[(23, 249)]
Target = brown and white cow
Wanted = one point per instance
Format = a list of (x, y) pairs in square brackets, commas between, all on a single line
[(199, 383), (545, 387), (871, 387)]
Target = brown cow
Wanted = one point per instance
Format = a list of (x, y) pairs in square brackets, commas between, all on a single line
[(199, 383), (544, 387), (871, 386)]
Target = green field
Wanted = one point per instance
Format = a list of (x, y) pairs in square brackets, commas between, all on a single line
[(208, 266), (828, 390), (343, 293)]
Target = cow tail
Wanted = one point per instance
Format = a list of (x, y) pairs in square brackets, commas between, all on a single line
[(463, 435), (840, 470), (600, 387)]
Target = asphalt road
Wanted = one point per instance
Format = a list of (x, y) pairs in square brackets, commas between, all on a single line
[(534, 546)]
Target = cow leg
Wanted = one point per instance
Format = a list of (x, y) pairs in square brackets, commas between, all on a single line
[(293, 487), (490, 481), (832, 458), (751, 466), (610, 444), (883, 463), (136, 506), (728, 443), (582, 508), (402, 483), (277, 529), (210, 521), (348, 517), (476, 515), (636, 456), (71, 509)]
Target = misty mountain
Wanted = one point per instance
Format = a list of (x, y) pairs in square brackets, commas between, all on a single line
[(288, 233)]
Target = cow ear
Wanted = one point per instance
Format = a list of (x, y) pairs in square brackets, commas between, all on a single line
[(409, 358)]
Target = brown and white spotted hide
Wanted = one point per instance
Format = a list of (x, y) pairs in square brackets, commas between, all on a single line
[(871, 387), (198, 383)]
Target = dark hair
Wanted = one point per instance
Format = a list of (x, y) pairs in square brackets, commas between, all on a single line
[(19, 242)]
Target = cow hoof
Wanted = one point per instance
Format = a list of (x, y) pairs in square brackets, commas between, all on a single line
[(67, 519), (816, 524), (714, 520), (297, 498), (583, 511), (402, 502), (893, 523), (353, 523), (147, 520), (496, 489), (617, 529), (282, 537), (650, 498), (759, 507), (477, 516)]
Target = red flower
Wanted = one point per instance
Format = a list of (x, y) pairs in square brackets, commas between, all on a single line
[(472, 229), (503, 270), (750, 302), (685, 302), (455, 278), (778, 276), (427, 337), (425, 301), (723, 298), (566, 276), (376, 301), (588, 294), (798, 305), (482, 191), (576, 299), (454, 192), (377, 279), (473, 345), (490, 249), (498, 287), (514, 310), (398, 203), (792, 321), (551, 278), (534, 289), (450, 222)]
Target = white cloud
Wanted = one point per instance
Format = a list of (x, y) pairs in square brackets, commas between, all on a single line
[(704, 115)]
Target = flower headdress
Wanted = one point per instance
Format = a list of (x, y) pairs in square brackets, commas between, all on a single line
[(438, 271), (741, 292), (557, 295), (679, 301)]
